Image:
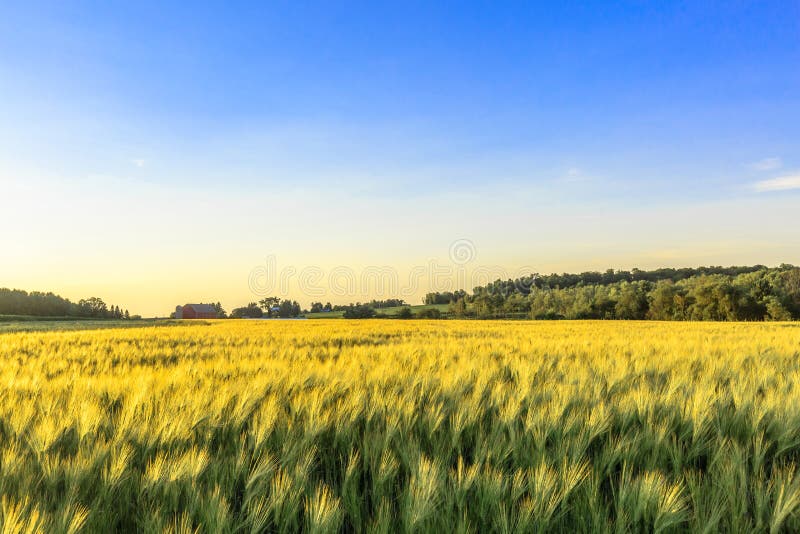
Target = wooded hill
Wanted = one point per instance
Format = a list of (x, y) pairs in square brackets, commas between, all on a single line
[(706, 293), (40, 304)]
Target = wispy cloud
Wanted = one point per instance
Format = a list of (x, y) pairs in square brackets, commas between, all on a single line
[(767, 164), (781, 183), (138, 162), (573, 174)]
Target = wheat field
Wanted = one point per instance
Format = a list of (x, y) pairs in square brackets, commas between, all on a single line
[(412, 426)]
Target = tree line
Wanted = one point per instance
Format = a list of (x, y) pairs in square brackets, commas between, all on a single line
[(285, 308), (703, 294), (268, 307), (318, 307), (41, 304)]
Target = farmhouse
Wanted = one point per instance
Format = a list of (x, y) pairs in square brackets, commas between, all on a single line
[(195, 311)]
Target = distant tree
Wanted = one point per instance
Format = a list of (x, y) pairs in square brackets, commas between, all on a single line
[(93, 307), (444, 297), (358, 311), (631, 302), (714, 299), (251, 311), (487, 304), (221, 314), (429, 313), (789, 286), (268, 303), (127, 315), (289, 308), (405, 313), (517, 305), (458, 308), (683, 305), (662, 302), (603, 307), (776, 311), (387, 303)]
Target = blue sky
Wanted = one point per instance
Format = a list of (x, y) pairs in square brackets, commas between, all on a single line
[(511, 124)]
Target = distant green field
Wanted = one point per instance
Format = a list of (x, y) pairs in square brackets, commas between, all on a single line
[(22, 318), (23, 323), (390, 312), (324, 315), (396, 309)]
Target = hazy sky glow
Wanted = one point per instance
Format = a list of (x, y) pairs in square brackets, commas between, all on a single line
[(155, 154)]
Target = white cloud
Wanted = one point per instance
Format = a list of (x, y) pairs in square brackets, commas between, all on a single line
[(573, 174), (781, 183), (767, 164), (138, 162)]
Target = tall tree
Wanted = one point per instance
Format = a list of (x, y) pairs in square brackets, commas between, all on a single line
[(267, 304)]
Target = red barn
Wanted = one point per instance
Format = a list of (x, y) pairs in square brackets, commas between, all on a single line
[(197, 311)]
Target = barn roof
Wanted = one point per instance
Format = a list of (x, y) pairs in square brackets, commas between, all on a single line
[(201, 308)]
